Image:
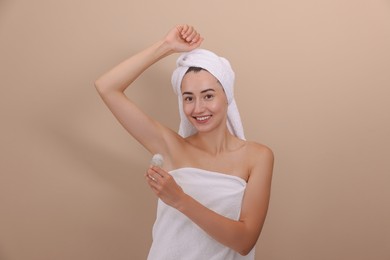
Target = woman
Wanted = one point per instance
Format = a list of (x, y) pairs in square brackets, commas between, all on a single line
[(214, 186)]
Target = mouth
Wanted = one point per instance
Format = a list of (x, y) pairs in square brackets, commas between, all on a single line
[(202, 119)]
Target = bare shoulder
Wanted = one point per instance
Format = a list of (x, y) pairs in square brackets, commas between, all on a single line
[(259, 151), (261, 158)]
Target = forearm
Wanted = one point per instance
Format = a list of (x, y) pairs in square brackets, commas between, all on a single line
[(122, 75), (234, 234)]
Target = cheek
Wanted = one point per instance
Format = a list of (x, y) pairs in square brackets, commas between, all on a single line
[(187, 108), (219, 106)]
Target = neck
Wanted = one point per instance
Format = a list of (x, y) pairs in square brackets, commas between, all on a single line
[(215, 142)]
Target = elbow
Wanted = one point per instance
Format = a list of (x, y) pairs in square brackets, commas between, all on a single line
[(105, 88), (98, 86), (245, 251), (245, 243), (245, 248)]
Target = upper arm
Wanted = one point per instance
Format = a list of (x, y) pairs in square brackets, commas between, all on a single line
[(257, 194), (155, 137)]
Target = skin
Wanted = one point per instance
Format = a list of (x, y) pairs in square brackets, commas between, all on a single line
[(212, 147)]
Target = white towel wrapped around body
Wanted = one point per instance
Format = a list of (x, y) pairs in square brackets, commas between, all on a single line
[(220, 68), (176, 237)]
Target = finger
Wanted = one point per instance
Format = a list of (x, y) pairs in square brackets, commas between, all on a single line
[(196, 38), (149, 178), (184, 29), (150, 170), (152, 175), (190, 36), (197, 43), (154, 186), (153, 183), (189, 30), (180, 29), (155, 170), (156, 178)]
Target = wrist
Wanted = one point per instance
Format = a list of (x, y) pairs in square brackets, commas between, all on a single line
[(163, 48), (183, 202)]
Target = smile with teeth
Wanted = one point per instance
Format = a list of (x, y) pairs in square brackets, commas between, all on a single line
[(202, 118)]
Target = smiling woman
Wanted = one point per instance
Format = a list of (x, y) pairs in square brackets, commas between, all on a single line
[(204, 101), (213, 186)]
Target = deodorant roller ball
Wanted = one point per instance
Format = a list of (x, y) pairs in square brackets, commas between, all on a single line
[(157, 160)]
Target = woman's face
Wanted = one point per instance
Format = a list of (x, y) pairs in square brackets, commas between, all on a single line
[(204, 101)]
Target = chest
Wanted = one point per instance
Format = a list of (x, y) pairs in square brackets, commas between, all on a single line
[(232, 163)]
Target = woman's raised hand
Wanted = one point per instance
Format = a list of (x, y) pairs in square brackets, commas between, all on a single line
[(183, 38)]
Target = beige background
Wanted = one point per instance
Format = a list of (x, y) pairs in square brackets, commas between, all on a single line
[(313, 83)]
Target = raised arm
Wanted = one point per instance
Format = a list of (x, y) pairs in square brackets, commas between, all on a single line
[(111, 86)]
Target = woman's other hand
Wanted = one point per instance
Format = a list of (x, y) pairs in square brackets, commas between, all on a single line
[(183, 38), (164, 186)]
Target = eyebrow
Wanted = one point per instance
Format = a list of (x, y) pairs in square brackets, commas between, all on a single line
[(203, 91)]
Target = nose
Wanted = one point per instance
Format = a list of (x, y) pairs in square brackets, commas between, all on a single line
[(199, 107)]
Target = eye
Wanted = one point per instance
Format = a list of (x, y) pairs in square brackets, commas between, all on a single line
[(208, 96), (188, 99)]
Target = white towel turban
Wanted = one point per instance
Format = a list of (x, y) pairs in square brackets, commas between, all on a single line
[(221, 69)]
